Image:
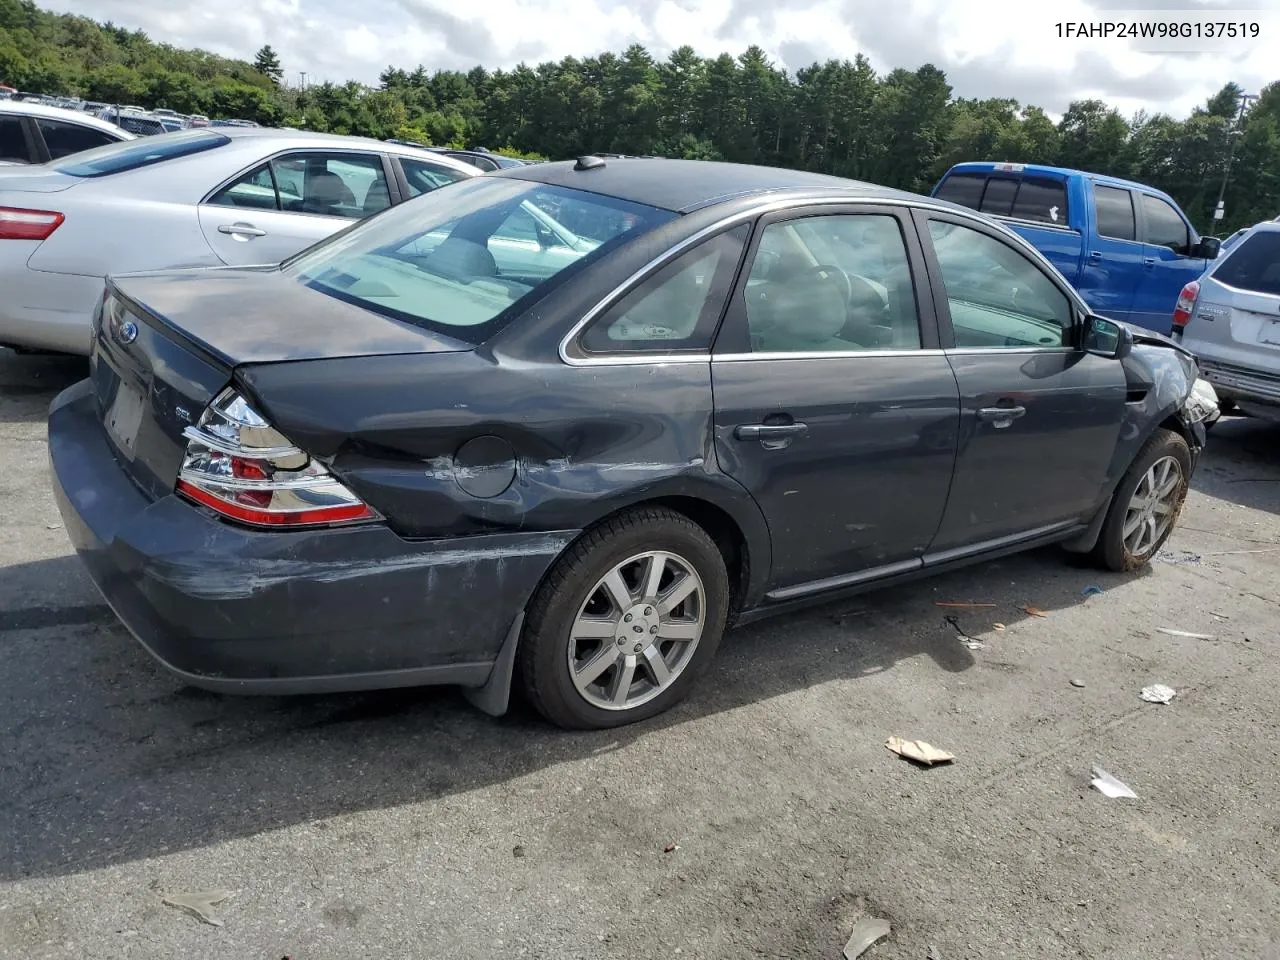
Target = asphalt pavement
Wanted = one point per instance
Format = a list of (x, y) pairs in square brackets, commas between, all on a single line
[(762, 818)]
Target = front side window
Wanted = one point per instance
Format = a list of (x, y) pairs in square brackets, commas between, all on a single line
[(423, 177), (1114, 207), (1253, 265), (132, 154), (1164, 228), (831, 284), (675, 309), (64, 139), (13, 144), (348, 185), (997, 297), (435, 263)]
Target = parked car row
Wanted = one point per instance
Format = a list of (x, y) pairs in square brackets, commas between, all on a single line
[(555, 426), (36, 133)]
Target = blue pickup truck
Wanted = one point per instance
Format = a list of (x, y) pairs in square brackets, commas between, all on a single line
[(1126, 247)]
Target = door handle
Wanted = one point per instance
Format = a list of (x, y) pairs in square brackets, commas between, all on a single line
[(1095, 254), (1149, 261), (242, 230), (769, 431), (1001, 416)]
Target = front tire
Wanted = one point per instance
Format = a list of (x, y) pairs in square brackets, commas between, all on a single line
[(626, 621), (1146, 505)]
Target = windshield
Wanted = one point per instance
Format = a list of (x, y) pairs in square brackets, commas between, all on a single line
[(458, 259), (131, 154), (1254, 265)]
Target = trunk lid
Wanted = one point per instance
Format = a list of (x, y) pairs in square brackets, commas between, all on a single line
[(164, 345), (36, 178)]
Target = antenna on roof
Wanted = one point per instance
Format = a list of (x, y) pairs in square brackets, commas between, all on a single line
[(588, 163)]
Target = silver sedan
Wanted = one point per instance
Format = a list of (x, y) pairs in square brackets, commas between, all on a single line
[(196, 198)]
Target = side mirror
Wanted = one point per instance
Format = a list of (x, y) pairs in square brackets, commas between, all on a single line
[(1207, 248), (1106, 338)]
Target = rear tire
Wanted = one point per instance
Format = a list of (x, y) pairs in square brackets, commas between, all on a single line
[(625, 622), (1147, 502)]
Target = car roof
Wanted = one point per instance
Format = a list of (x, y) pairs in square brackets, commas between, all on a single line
[(306, 138), (58, 113), (686, 185), (1039, 169)]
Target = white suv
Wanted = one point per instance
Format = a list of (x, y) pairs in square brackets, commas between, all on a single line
[(35, 133), (1230, 320)]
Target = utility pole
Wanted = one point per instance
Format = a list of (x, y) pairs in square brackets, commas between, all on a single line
[(1232, 136), (303, 74)]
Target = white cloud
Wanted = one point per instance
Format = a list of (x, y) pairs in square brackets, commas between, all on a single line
[(987, 47)]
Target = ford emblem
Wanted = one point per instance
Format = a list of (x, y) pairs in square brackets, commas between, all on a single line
[(128, 332)]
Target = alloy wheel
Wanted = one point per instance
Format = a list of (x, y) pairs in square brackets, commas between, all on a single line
[(1153, 507)]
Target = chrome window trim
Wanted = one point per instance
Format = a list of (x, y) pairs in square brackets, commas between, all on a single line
[(822, 355), (759, 210), (286, 151)]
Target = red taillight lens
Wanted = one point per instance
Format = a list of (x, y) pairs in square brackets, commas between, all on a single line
[(19, 224), (239, 465), (1186, 305)]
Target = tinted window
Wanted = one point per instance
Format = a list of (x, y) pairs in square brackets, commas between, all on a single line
[(435, 262), (675, 309), (480, 163), (963, 188), (1254, 264), (1044, 201), (998, 298), (424, 177), (998, 198), (131, 154), (67, 138), (1115, 212), (255, 189), (348, 185), (13, 145), (838, 283), (1164, 228)]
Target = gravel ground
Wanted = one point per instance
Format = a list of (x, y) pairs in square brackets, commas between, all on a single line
[(408, 825)]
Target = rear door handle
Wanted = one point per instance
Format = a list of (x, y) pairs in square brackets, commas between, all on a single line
[(769, 431), (242, 230), (1001, 416)]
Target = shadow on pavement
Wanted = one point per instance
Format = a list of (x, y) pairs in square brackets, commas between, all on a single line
[(1241, 463)]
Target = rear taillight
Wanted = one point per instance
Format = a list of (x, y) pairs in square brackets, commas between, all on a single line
[(1186, 305), (19, 224), (240, 466)]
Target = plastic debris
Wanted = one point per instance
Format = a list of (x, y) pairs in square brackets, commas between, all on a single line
[(919, 751), (200, 903), (962, 604), (1092, 590), (671, 848), (1183, 633), (865, 933), (970, 643), (1034, 611), (1158, 693), (1109, 786), (1077, 683), (53, 526)]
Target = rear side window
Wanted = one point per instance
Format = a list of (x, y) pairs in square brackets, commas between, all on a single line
[(1164, 228), (132, 154), (1115, 212), (13, 145), (1044, 201), (997, 200), (963, 188), (63, 139), (1254, 264)]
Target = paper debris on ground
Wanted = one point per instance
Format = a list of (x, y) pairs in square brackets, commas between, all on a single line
[(919, 751), (962, 604), (1158, 693), (200, 903), (1178, 556), (865, 933), (934, 953), (1109, 786), (1034, 611), (1183, 633), (997, 626), (1092, 590)]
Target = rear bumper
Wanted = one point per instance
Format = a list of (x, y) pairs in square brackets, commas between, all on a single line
[(244, 611), (48, 311)]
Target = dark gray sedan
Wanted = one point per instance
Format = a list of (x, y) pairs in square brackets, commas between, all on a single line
[(408, 456)]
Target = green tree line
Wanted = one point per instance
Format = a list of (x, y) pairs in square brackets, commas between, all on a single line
[(902, 128)]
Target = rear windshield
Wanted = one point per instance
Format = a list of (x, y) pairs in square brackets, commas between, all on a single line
[(458, 260), (1253, 264), (131, 154), (1002, 195)]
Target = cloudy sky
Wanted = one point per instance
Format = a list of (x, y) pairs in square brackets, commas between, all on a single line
[(988, 48)]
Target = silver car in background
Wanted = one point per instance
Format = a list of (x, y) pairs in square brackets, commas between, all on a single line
[(231, 196), (1230, 320)]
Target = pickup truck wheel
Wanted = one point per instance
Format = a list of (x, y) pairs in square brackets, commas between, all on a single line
[(625, 622), (1146, 505)]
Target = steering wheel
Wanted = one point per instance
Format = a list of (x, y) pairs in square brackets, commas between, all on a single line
[(823, 273)]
